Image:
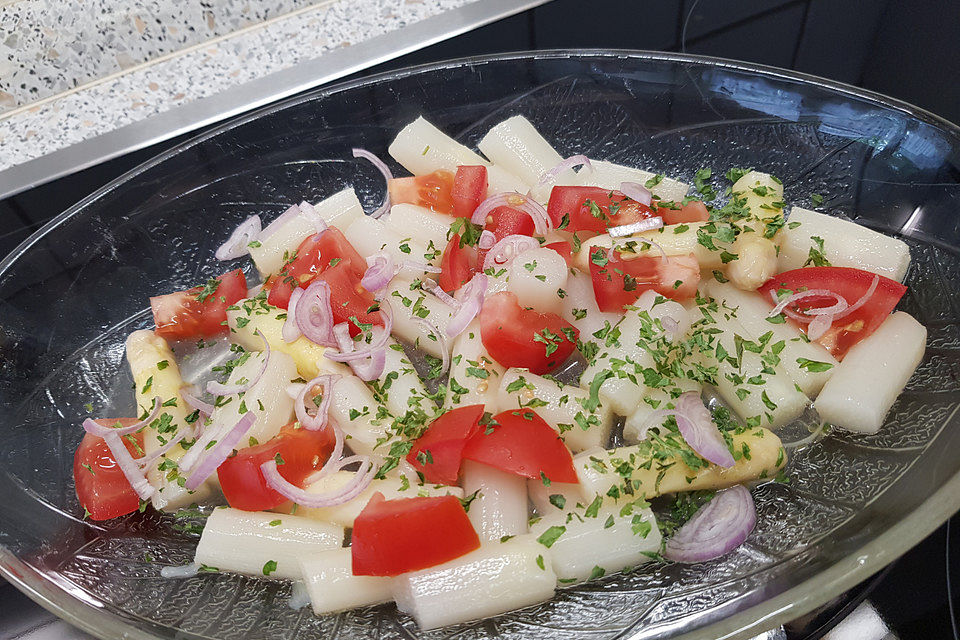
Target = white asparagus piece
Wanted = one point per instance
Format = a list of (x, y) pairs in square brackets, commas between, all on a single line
[(357, 412), (579, 307), (500, 508), (563, 409), (392, 487), (763, 194), (145, 353), (873, 373), (518, 147), (784, 402), (674, 239), (329, 579), (756, 260), (424, 226), (369, 236), (411, 304), (540, 493), (267, 399), (536, 276), (752, 310), (845, 244), (496, 578), (653, 400), (339, 210), (246, 541), (610, 540), (422, 148), (467, 355), (608, 175), (399, 387)]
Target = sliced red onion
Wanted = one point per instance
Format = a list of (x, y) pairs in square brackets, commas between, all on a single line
[(783, 306), (291, 330), (471, 302), (647, 224), (304, 403), (180, 571), (863, 299), (377, 343), (370, 366), (445, 297), (541, 221), (819, 326), (215, 457), (699, 431), (150, 457), (380, 271), (487, 239), (636, 191), (314, 315), (220, 389), (294, 389), (279, 221), (91, 426), (360, 481), (237, 245), (503, 253), (421, 266), (441, 342), (671, 326), (188, 395), (387, 174), (308, 211), (569, 163), (718, 527), (128, 465)]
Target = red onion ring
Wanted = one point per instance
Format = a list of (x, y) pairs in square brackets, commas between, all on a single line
[(503, 253), (293, 212), (636, 191), (541, 221), (220, 389), (819, 326), (360, 481), (647, 224), (487, 239), (90, 426), (441, 342), (304, 402), (147, 459), (371, 365), (445, 297), (236, 245), (225, 444), (386, 312), (699, 431), (472, 296), (717, 528), (380, 271), (807, 316), (387, 174), (314, 315), (563, 165), (308, 211), (194, 402), (863, 299), (421, 266), (291, 330), (128, 465)]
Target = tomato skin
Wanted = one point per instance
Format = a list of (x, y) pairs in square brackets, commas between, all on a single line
[(391, 537), (457, 265), (521, 442), (180, 315), (444, 440), (469, 190), (312, 258), (610, 286), (564, 249), (574, 203), (103, 490), (850, 283), (348, 298), (507, 331), (303, 451), (693, 211), (505, 221), (432, 191)]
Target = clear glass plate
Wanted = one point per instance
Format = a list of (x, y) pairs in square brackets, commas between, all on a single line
[(70, 294)]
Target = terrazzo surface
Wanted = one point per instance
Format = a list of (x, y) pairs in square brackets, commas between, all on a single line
[(203, 70)]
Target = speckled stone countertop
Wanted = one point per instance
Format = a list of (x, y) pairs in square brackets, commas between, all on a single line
[(73, 74)]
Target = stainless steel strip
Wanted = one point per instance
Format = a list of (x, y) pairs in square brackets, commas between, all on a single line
[(257, 93)]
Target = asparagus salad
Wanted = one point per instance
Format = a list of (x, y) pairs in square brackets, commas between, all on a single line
[(469, 397)]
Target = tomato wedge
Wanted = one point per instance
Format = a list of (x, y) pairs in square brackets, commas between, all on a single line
[(457, 264), (618, 282), (391, 537), (102, 488), (436, 454), (505, 221), (593, 209), (349, 301), (564, 249), (521, 442), (316, 254), (432, 191), (469, 190), (200, 312), (693, 211), (848, 282), (519, 337), (302, 451)]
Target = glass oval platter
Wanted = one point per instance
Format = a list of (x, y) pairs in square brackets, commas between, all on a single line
[(853, 503)]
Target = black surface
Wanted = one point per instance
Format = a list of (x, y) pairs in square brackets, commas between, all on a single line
[(900, 48)]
